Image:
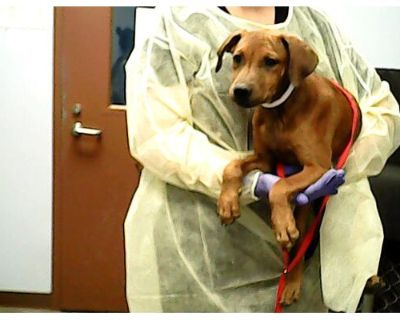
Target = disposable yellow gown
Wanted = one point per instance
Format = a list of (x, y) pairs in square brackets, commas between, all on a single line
[(184, 129)]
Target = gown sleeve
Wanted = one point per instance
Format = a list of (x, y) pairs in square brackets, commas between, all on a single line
[(160, 125), (380, 132)]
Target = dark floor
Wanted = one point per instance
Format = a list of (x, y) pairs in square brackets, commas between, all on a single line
[(26, 310)]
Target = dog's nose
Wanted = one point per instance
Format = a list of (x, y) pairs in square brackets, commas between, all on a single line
[(242, 94)]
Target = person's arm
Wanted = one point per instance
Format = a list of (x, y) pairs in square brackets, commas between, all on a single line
[(380, 133), (160, 125)]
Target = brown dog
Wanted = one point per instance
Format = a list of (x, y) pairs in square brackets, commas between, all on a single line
[(308, 126)]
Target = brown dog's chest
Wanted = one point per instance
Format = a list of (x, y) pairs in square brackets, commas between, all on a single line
[(315, 129), (278, 139)]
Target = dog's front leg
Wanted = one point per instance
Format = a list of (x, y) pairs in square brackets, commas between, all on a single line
[(228, 202), (280, 197)]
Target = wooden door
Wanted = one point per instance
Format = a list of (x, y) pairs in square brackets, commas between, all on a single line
[(95, 177)]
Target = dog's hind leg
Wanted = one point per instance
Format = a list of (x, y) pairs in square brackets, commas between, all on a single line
[(294, 279)]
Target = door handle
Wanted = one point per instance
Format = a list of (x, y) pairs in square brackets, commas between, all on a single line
[(78, 130)]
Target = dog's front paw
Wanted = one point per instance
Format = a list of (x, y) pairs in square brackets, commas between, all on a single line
[(285, 229), (228, 207)]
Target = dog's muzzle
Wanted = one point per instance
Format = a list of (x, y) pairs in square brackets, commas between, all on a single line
[(241, 95)]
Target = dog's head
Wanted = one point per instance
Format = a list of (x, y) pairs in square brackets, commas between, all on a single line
[(264, 64)]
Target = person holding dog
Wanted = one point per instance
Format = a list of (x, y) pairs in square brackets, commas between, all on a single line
[(184, 129)]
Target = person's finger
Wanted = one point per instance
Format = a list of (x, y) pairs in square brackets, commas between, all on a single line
[(317, 186), (301, 199), (327, 184)]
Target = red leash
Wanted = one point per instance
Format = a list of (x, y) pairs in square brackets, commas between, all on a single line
[(289, 265)]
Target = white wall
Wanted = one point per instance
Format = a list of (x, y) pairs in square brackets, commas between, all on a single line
[(374, 31), (26, 115)]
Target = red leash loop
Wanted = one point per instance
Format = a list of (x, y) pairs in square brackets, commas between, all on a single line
[(288, 266)]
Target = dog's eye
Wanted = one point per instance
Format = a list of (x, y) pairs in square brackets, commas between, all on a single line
[(237, 58), (269, 62)]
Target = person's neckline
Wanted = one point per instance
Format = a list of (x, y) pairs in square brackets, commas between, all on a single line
[(278, 25)]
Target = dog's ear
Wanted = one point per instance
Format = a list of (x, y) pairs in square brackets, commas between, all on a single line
[(228, 46), (302, 58)]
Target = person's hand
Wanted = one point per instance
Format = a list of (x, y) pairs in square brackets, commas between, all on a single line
[(328, 184)]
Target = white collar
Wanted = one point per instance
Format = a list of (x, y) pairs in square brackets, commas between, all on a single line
[(281, 100)]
